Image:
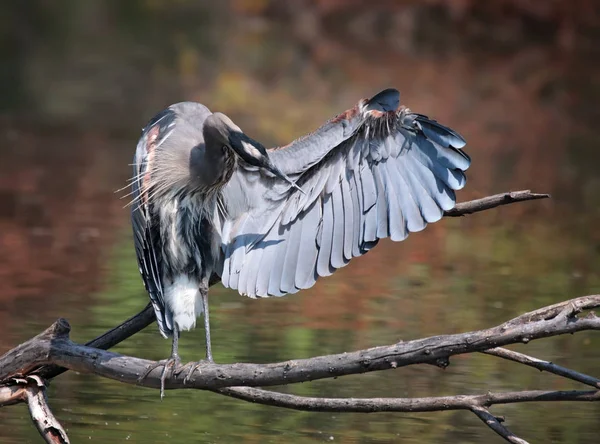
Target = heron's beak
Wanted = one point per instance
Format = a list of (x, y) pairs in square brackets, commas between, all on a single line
[(273, 169)]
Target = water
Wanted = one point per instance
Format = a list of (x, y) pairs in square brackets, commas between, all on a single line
[(81, 79)]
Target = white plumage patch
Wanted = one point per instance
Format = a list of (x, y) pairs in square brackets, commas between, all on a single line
[(184, 300)]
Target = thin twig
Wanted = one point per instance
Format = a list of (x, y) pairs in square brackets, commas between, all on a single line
[(12, 394), (542, 365), (492, 422), (551, 311), (494, 201)]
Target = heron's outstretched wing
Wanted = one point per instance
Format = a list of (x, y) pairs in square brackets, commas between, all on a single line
[(375, 171), (145, 235)]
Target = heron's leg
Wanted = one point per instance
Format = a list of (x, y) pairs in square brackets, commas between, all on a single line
[(168, 364), (209, 358), (204, 294)]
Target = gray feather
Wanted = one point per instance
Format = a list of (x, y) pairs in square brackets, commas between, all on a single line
[(408, 202), (348, 216), (323, 266), (277, 271), (440, 134), (396, 218), (337, 243), (358, 226), (248, 282), (288, 277), (308, 251), (366, 174), (382, 206), (436, 188), (430, 211), (267, 263), (369, 189)]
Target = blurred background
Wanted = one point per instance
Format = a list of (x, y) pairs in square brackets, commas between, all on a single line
[(518, 79)]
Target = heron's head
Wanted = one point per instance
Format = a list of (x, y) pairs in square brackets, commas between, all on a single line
[(221, 133)]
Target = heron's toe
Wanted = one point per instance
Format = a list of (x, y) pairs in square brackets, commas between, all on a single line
[(193, 366), (170, 367)]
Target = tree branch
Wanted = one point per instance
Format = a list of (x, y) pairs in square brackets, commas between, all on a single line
[(496, 425), (406, 405), (32, 390), (42, 416), (543, 365), (107, 340), (59, 349), (489, 202)]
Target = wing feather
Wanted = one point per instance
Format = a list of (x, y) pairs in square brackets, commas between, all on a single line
[(396, 218), (146, 238), (337, 243), (375, 171), (267, 263), (383, 213), (277, 271), (357, 223), (308, 250), (348, 217), (288, 276), (326, 238)]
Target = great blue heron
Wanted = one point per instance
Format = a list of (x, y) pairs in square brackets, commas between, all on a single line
[(210, 201)]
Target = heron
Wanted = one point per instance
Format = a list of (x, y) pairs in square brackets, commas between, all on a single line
[(211, 203)]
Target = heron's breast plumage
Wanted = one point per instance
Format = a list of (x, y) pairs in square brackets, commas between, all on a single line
[(188, 256)]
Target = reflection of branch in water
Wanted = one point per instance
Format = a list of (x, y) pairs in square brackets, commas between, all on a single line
[(52, 352)]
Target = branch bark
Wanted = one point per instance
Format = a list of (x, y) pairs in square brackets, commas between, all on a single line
[(410, 405), (542, 365), (496, 425)]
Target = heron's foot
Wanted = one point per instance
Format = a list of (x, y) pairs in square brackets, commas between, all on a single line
[(195, 366), (170, 366)]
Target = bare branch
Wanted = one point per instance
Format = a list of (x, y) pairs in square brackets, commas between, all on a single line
[(494, 201), (32, 390), (41, 415), (12, 394), (407, 405), (109, 339), (493, 423), (59, 349), (16, 363), (543, 365), (572, 306)]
